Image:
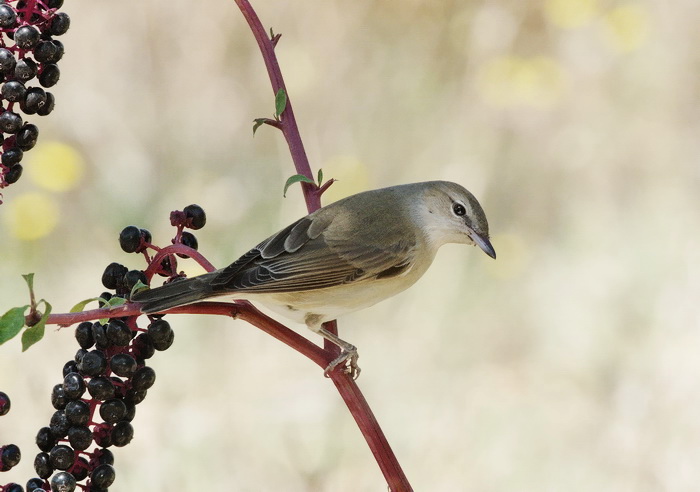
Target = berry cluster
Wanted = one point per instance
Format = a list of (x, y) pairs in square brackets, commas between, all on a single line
[(28, 52), (9, 454), (107, 378)]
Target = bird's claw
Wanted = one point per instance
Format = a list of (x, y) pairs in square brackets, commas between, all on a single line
[(347, 358)]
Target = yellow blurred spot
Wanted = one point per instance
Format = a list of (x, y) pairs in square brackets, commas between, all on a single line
[(628, 27), (570, 14), (31, 216), (352, 177), (512, 80), (513, 256), (55, 166)]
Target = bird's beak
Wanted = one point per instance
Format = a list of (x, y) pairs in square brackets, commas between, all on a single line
[(484, 244)]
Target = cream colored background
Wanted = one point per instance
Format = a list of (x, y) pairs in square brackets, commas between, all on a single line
[(570, 363)]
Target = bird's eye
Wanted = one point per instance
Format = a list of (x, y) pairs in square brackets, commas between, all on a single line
[(459, 209)]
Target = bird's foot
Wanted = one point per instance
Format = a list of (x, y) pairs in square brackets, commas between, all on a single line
[(348, 358)]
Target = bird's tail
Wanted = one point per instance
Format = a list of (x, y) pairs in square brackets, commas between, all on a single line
[(178, 293)]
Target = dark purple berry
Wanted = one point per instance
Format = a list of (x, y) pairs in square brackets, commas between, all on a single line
[(58, 397), (143, 346), (48, 107), (59, 424), (12, 156), (94, 363), (59, 24), (113, 274), (83, 334), (7, 59), (42, 465), (133, 277), (123, 365), (77, 412), (63, 482), (25, 69), (10, 122), (122, 433), (5, 403), (143, 378), (34, 100), (27, 37), (8, 16), (161, 334), (35, 485), (130, 239), (45, 439), (55, 4), (103, 435), (135, 396), (73, 386), (113, 411), (130, 410), (13, 91), (101, 388), (13, 174), (10, 455), (27, 136), (13, 487), (118, 332), (49, 75), (62, 457), (100, 336), (72, 365), (80, 437), (45, 52), (196, 218), (189, 240), (103, 476)]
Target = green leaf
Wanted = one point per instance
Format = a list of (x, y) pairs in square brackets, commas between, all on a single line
[(280, 102), (136, 288), (272, 34), (81, 305), (11, 323), (117, 301), (295, 179), (258, 122), (29, 278), (35, 333), (320, 177)]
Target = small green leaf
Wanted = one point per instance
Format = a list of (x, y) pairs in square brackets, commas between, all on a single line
[(35, 333), (280, 102), (29, 278), (81, 305), (320, 177), (295, 179), (258, 122), (272, 34), (118, 301), (137, 288), (11, 323)]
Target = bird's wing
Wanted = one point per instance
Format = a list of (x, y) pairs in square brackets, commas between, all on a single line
[(313, 254)]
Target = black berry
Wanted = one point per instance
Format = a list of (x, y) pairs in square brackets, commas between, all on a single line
[(27, 37), (101, 388), (34, 100), (10, 122), (113, 274), (94, 363), (77, 412), (143, 346), (161, 334), (45, 439), (113, 411), (83, 334), (13, 91), (7, 59), (5, 403), (130, 239), (25, 69), (73, 385), (34, 484), (100, 336), (58, 397), (63, 482), (42, 465), (133, 277), (80, 437), (27, 136), (118, 332), (8, 17), (143, 378), (48, 107), (122, 433), (49, 75), (62, 457), (10, 456), (59, 424), (60, 24), (123, 365), (103, 476), (13, 174), (196, 218)]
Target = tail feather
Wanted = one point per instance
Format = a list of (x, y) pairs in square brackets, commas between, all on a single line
[(178, 293)]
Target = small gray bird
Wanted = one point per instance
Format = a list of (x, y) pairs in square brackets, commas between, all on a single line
[(346, 256)]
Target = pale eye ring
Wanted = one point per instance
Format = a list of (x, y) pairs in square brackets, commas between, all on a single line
[(459, 209)]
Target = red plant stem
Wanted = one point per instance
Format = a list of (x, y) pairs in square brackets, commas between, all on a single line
[(289, 127), (348, 389)]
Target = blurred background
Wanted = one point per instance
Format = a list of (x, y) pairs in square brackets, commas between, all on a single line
[(570, 363)]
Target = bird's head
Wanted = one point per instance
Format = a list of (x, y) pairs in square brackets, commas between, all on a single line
[(451, 214)]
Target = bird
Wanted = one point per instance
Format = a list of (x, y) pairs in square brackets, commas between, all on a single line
[(346, 256)]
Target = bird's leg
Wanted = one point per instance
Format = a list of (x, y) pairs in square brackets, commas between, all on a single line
[(349, 353)]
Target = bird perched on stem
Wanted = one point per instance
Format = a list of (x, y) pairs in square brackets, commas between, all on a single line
[(343, 257)]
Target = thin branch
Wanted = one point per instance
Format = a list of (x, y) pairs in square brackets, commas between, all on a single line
[(289, 127)]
